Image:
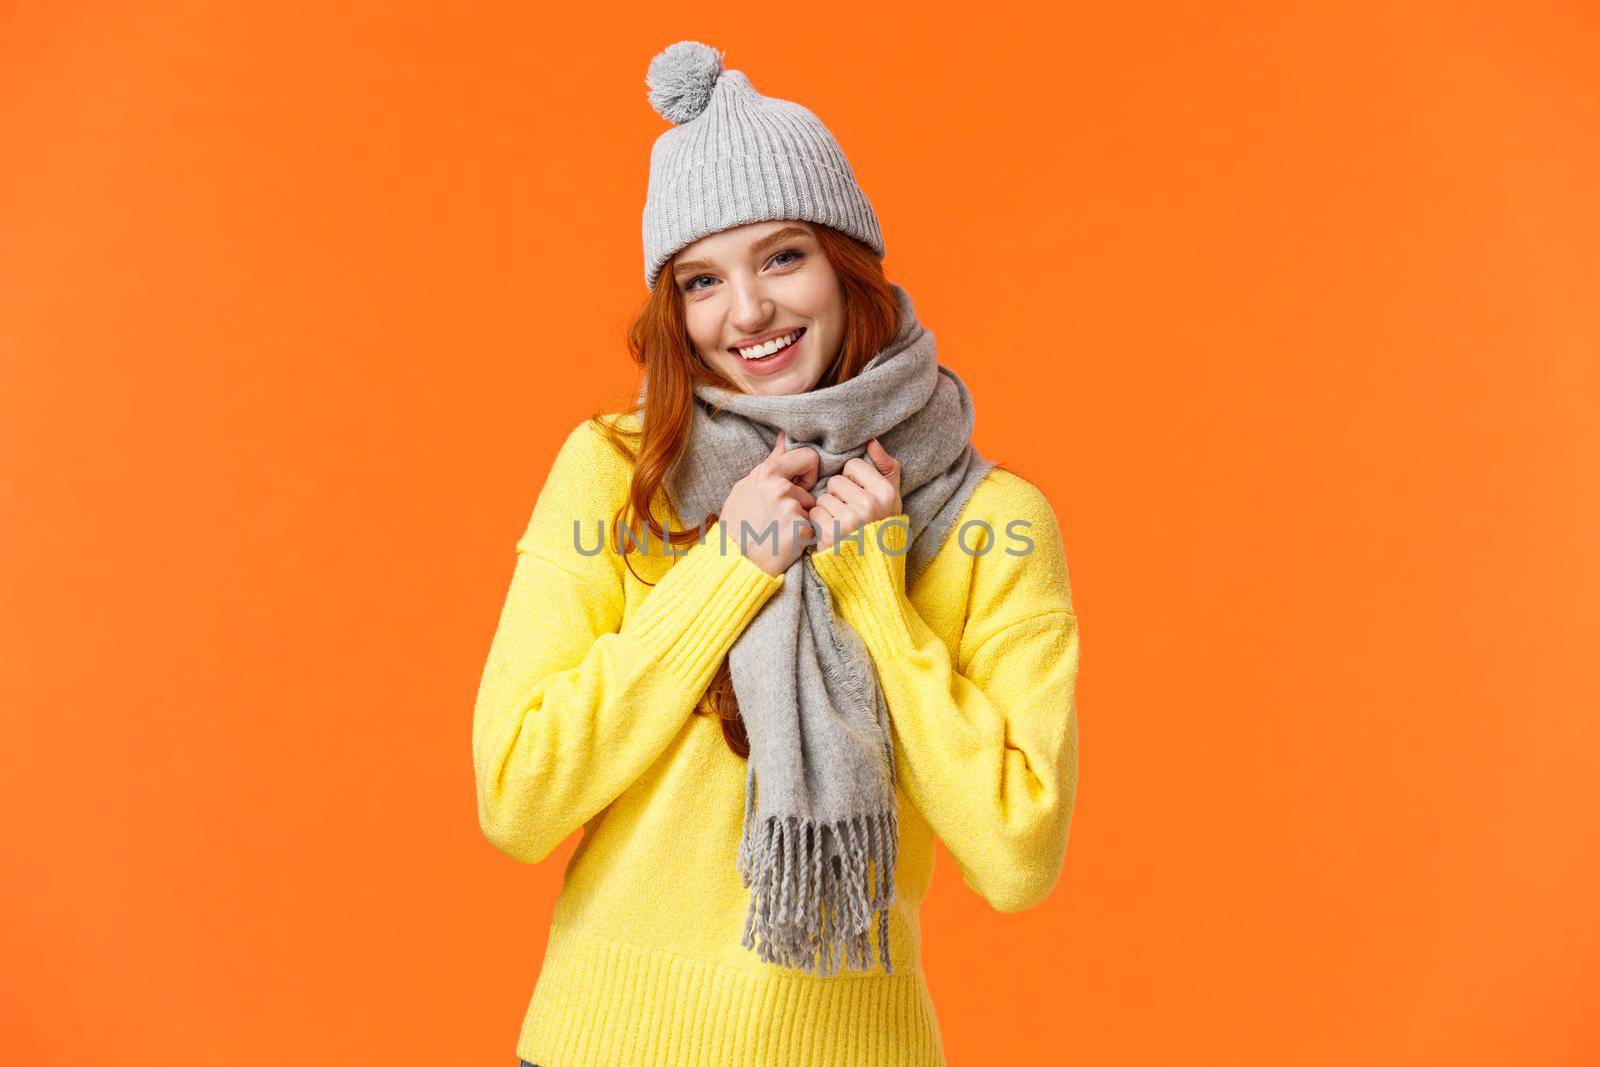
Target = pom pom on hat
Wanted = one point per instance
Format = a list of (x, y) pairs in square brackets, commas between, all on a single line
[(681, 78)]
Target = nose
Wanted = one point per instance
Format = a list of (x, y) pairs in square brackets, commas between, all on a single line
[(751, 309)]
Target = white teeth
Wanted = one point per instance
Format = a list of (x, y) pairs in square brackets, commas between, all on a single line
[(758, 351)]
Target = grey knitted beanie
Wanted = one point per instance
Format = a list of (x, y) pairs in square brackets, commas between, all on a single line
[(734, 157)]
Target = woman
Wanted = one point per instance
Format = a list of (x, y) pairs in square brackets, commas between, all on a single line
[(770, 633)]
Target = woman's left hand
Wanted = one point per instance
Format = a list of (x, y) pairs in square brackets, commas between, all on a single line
[(859, 494)]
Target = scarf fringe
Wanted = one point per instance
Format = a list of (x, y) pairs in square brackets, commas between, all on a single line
[(815, 916)]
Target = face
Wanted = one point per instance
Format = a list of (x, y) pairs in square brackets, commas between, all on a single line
[(756, 283)]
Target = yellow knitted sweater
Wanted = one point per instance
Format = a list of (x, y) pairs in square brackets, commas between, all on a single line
[(592, 713)]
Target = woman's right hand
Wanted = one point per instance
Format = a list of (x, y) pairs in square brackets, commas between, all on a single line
[(774, 496)]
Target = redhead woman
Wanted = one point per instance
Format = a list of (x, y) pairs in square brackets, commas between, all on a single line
[(771, 633)]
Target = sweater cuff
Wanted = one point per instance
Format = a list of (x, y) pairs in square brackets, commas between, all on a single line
[(699, 607), (866, 573)]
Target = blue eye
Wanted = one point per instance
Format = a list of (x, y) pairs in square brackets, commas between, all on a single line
[(689, 286)]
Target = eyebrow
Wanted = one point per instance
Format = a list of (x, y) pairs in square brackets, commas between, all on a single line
[(788, 233)]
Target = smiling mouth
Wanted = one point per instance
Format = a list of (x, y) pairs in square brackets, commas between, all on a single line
[(763, 352)]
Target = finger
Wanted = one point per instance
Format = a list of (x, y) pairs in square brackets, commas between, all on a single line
[(807, 478), (863, 473), (880, 457), (779, 448), (823, 515), (798, 461), (838, 511), (878, 491), (848, 491), (886, 464), (802, 495)]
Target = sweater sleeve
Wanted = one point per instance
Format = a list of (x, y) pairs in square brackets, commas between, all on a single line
[(986, 747), (574, 703)]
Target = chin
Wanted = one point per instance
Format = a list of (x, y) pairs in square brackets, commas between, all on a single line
[(787, 382), (784, 386)]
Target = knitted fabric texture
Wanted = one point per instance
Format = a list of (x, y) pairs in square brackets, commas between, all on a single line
[(820, 826), (735, 156)]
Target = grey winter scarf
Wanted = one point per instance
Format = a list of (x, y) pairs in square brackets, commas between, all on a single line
[(820, 824)]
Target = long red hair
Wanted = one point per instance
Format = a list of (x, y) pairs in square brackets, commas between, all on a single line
[(658, 341)]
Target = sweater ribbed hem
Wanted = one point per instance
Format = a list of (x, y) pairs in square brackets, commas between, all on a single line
[(867, 583), (605, 1003), (700, 606)]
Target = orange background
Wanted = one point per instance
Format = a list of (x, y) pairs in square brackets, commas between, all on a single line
[(1293, 316)]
